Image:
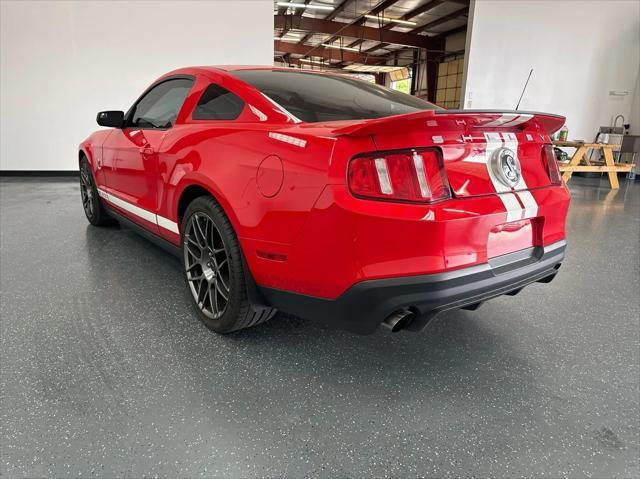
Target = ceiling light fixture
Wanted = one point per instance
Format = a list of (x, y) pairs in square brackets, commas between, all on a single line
[(395, 20), (358, 67), (338, 47), (304, 5), (288, 36), (306, 60)]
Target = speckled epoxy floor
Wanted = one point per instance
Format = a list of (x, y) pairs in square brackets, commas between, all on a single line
[(106, 372)]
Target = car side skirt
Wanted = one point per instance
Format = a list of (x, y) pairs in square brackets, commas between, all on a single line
[(253, 292), (154, 238)]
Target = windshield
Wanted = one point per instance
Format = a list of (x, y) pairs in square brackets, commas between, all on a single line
[(313, 97)]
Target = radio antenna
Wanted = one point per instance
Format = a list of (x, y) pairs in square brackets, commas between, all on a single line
[(523, 90)]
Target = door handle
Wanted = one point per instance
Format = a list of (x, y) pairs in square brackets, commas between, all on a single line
[(146, 150)]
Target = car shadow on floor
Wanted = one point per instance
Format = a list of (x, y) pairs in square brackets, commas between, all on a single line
[(456, 343)]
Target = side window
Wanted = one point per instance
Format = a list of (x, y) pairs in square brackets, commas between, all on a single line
[(216, 103), (160, 106)]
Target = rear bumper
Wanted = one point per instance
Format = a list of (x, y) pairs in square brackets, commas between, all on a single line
[(366, 304)]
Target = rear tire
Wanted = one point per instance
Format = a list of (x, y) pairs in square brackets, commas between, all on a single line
[(93, 208), (214, 271)]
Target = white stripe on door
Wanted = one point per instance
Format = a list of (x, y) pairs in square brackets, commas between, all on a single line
[(161, 221)]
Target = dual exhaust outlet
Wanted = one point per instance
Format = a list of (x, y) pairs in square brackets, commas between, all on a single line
[(399, 320)]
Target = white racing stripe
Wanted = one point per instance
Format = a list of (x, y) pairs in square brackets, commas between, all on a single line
[(518, 120), (501, 120), (167, 224), (530, 204), (161, 221), (509, 200), (527, 199), (509, 119)]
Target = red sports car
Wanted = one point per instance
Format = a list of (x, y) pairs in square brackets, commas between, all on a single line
[(328, 197)]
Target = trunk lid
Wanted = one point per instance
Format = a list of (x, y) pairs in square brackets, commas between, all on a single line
[(485, 152)]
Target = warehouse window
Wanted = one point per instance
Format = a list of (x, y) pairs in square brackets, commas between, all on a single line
[(403, 86), (449, 87), (217, 103)]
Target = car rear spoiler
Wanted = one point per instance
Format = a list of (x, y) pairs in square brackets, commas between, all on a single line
[(454, 119)]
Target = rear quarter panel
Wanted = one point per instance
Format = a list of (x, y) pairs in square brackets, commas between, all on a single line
[(224, 157)]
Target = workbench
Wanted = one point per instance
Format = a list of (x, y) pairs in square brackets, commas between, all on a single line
[(580, 162)]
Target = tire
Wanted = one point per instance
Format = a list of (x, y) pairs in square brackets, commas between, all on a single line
[(214, 270), (91, 204)]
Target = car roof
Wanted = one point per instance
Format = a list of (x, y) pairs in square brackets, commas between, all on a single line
[(193, 70)]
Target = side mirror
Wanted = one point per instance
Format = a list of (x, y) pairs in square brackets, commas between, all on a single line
[(113, 119)]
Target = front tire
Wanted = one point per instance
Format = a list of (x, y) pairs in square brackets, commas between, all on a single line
[(214, 271), (93, 208)]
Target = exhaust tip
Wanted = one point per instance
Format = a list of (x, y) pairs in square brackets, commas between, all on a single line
[(398, 320)]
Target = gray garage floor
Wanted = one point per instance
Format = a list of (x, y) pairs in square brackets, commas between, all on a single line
[(106, 372)]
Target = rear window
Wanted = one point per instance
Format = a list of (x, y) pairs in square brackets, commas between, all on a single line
[(313, 97)]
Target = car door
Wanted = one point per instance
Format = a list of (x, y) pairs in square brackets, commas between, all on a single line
[(130, 155)]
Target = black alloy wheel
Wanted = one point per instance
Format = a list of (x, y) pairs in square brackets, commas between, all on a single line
[(207, 265), (91, 204), (214, 269)]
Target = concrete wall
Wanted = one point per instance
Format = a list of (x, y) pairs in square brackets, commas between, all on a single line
[(580, 50), (63, 61)]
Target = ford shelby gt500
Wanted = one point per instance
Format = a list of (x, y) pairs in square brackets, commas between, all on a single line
[(328, 197)]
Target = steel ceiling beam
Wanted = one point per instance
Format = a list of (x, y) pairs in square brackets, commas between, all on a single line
[(281, 12), (440, 21), (407, 16), (453, 31), (326, 53), (340, 29), (380, 7), (440, 36), (308, 66), (333, 14), (461, 28)]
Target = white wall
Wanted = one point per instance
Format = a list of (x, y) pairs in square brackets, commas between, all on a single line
[(635, 110), (63, 61), (579, 50)]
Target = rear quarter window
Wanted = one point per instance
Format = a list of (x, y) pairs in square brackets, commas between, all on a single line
[(217, 103)]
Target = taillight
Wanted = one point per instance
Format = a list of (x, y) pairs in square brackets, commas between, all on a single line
[(415, 175), (549, 158)]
